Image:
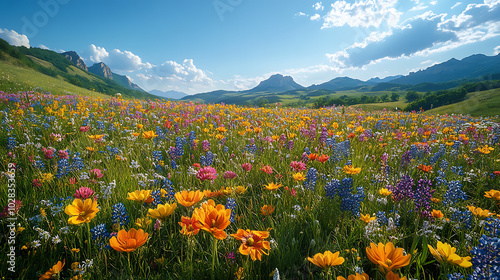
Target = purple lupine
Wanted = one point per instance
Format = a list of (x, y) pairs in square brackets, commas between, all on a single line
[(205, 145), (324, 135), (423, 195), (404, 189), (289, 145)]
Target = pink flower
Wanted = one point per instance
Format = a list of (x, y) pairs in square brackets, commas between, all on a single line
[(207, 173), (72, 181), (84, 193), (267, 169), (298, 166), (49, 153), (84, 128), (229, 175), (246, 166), (95, 174), (36, 183)]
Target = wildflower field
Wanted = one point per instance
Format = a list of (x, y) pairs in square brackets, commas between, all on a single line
[(126, 189)]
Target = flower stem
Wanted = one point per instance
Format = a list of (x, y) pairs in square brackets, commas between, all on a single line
[(214, 256)]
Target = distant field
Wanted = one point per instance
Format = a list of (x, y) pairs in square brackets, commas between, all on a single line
[(10, 77), (482, 103)]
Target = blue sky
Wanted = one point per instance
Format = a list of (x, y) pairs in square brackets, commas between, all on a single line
[(202, 45)]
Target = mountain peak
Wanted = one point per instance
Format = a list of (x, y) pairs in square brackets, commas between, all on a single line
[(76, 59), (277, 83), (102, 70)]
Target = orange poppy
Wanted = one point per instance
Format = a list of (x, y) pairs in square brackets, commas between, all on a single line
[(128, 241), (356, 276), (253, 243), (326, 260), (425, 168), (437, 214), (323, 158), (53, 272), (188, 199), (190, 226), (387, 256), (312, 156), (267, 210), (213, 219)]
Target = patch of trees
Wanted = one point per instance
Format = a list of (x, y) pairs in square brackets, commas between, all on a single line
[(353, 100), (436, 99)]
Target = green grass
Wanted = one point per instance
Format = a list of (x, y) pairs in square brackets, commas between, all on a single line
[(14, 78), (482, 103)]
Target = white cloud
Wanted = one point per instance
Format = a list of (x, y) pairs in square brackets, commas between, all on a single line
[(300, 14), (14, 38), (474, 15), (316, 17), (417, 34), (419, 7), (496, 50), (318, 6), (363, 13), (120, 61), (43, 47), (456, 5), (433, 3)]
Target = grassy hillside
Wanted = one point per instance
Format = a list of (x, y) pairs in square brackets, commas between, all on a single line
[(481, 103), (15, 78), (51, 64)]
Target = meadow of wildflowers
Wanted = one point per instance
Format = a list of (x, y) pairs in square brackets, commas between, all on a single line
[(129, 189)]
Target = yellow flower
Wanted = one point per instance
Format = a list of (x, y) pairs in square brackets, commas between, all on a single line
[(272, 186), (240, 190), (384, 192), (96, 137), (143, 223), (387, 256), (445, 253), (75, 250), (188, 199), (366, 218), (492, 194), (81, 211), (478, 212), (162, 211), (140, 196), (299, 176), (485, 149), (326, 260), (46, 177), (349, 169), (149, 134)]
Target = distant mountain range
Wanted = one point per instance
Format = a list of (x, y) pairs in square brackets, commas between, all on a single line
[(171, 94), (446, 75)]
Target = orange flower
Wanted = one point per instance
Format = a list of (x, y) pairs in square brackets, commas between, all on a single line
[(149, 134), (425, 168), (312, 156), (348, 169), (190, 226), (267, 210), (53, 272), (366, 218), (272, 186), (188, 199), (162, 211), (437, 214), (351, 135), (253, 243), (356, 276), (435, 199), (387, 256), (141, 196), (81, 212), (213, 219), (128, 241), (323, 158), (393, 276), (326, 260)]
